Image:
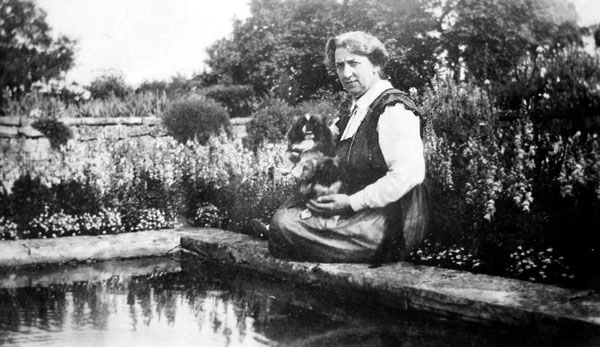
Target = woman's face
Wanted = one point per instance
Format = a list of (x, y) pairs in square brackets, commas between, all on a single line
[(356, 72)]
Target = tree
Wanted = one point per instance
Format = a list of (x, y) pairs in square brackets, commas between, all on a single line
[(490, 37), (28, 53), (279, 49)]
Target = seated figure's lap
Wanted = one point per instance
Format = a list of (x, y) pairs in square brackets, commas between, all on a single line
[(353, 239)]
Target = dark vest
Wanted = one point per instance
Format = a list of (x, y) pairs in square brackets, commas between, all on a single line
[(361, 153)]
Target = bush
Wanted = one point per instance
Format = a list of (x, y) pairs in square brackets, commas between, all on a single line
[(459, 110), (271, 122), (109, 85), (553, 84), (54, 130), (196, 117), (208, 215), (238, 100), (328, 109)]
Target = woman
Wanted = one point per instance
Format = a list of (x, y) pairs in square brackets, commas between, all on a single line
[(380, 145)]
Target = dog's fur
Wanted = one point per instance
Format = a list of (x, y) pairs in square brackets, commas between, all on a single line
[(309, 148)]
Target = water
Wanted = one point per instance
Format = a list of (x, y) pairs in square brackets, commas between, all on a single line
[(165, 302)]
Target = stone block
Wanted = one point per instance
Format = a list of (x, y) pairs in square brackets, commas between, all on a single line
[(87, 133), (30, 132), (27, 121), (10, 120), (99, 121), (8, 131), (130, 120), (142, 130), (113, 132), (71, 121), (151, 120)]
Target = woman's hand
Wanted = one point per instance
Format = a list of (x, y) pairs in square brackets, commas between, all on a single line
[(330, 205)]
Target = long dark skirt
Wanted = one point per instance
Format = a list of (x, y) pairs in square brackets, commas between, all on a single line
[(350, 239)]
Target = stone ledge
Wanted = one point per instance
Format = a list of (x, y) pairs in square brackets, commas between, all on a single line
[(406, 286), (83, 248), (450, 293)]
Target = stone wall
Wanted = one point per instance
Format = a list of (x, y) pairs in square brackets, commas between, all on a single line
[(20, 142), (23, 145)]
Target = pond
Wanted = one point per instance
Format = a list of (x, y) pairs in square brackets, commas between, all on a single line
[(183, 302)]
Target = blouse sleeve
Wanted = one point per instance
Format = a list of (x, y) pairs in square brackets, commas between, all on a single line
[(402, 148)]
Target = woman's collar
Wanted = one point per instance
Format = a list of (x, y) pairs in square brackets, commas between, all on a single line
[(367, 98)]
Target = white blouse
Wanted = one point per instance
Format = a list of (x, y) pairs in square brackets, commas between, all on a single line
[(401, 145)]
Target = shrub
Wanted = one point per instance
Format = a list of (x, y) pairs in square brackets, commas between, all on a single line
[(238, 100), (49, 224), (8, 229), (196, 117), (459, 110), (553, 83), (326, 108), (107, 221), (271, 122), (54, 130), (109, 85), (208, 215), (146, 219), (142, 104)]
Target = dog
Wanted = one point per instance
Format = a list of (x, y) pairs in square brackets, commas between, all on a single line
[(310, 147)]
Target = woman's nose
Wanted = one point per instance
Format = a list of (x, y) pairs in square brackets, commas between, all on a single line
[(346, 71)]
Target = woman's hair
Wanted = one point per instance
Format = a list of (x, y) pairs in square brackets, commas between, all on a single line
[(357, 42)]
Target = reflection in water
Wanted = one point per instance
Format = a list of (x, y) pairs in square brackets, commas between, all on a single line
[(207, 306)]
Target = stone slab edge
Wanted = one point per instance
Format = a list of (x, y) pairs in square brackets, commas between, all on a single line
[(84, 248), (451, 293)]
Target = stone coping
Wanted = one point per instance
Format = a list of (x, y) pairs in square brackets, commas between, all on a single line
[(404, 286), (84, 248)]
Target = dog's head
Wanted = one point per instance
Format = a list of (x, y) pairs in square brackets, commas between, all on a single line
[(309, 132)]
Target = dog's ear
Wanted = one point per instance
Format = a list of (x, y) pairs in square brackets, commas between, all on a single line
[(295, 134)]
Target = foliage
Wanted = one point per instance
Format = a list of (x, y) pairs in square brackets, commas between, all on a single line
[(8, 229), (144, 104), (459, 110), (553, 83), (490, 37), (541, 266), (54, 130), (279, 49), (107, 86), (195, 117), (208, 215), (39, 104), (270, 122), (177, 87), (28, 50), (498, 185), (238, 100)]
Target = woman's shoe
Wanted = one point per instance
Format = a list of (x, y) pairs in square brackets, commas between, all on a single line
[(259, 229)]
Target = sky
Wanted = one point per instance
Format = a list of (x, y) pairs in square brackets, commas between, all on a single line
[(142, 40), (146, 40)]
